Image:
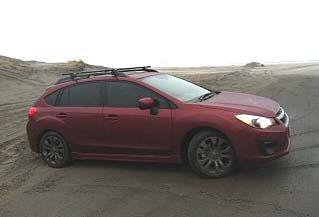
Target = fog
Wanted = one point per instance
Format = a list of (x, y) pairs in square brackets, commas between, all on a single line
[(160, 33)]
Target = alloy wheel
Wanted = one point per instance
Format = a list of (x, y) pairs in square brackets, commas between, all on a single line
[(53, 150), (214, 155)]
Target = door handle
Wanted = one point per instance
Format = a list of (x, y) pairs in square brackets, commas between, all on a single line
[(61, 115), (111, 117)]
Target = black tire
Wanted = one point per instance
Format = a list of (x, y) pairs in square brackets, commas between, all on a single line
[(55, 150), (211, 155)]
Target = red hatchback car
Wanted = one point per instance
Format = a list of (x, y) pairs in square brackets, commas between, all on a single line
[(139, 114)]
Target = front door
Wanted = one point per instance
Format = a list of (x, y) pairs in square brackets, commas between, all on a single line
[(130, 130)]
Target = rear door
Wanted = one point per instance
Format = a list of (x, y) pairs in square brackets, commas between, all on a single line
[(130, 130), (80, 107)]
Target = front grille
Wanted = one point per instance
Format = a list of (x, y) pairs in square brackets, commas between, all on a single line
[(282, 116)]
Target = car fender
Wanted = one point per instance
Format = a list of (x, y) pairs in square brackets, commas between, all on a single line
[(185, 122), (47, 123)]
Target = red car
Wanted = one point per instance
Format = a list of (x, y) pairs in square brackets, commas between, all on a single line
[(139, 114)]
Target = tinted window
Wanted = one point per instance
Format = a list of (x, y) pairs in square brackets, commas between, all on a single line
[(51, 99), (64, 97), (125, 94), (82, 95), (162, 101)]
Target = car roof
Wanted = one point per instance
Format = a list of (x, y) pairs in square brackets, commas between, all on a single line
[(66, 81)]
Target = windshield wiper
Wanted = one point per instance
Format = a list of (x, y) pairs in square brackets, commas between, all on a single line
[(206, 96)]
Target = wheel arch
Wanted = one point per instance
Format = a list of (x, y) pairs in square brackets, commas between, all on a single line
[(189, 135), (46, 131)]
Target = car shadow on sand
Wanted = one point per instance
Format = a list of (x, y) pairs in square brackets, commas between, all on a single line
[(269, 169)]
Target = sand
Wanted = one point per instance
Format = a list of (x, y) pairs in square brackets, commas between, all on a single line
[(25, 178)]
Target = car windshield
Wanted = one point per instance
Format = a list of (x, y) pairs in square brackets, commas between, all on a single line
[(177, 87)]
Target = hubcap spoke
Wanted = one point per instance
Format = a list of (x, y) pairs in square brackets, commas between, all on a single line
[(217, 167), (225, 156), (59, 156), (226, 149), (203, 161), (51, 156), (221, 164), (207, 165), (50, 140), (200, 151), (47, 154), (203, 145), (213, 143), (55, 157)]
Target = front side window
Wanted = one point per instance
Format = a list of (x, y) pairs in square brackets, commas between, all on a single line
[(125, 94), (82, 95), (163, 103), (177, 87)]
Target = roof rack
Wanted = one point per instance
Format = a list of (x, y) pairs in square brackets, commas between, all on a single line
[(119, 72), (109, 71)]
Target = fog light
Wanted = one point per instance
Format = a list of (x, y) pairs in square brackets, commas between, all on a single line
[(268, 147)]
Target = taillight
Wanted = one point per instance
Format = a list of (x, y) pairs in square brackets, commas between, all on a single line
[(32, 111)]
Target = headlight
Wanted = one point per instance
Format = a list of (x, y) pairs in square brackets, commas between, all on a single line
[(256, 121)]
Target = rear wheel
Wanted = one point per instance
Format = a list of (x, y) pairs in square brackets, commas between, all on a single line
[(211, 155), (54, 150)]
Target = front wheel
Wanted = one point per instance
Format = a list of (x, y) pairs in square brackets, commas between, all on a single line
[(211, 155), (54, 150)]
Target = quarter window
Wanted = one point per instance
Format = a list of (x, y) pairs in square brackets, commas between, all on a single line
[(51, 99)]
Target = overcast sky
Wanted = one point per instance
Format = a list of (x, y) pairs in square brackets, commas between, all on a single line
[(160, 33)]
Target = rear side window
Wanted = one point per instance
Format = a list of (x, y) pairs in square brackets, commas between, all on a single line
[(125, 94), (82, 95), (51, 98)]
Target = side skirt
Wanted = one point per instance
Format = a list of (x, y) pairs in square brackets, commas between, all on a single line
[(125, 157)]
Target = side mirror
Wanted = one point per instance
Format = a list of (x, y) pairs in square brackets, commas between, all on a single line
[(146, 103)]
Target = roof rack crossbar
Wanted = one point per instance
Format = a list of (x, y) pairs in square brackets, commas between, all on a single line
[(142, 68), (86, 72), (109, 71)]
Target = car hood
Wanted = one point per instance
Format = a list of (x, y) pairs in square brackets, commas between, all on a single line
[(243, 103)]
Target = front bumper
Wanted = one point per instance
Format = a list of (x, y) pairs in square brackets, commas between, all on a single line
[(251, 144)]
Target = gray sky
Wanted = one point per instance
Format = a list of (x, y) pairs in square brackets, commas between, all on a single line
[(160, 33)]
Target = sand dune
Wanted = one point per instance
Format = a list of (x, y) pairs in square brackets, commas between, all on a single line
[(294, 86)]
